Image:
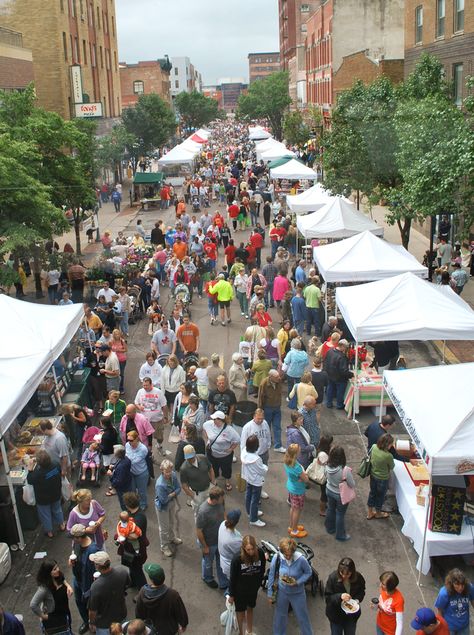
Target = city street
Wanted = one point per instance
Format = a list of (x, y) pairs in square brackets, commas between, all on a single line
[(375, 546)]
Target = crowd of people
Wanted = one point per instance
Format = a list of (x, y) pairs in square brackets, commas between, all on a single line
[(289, 361)]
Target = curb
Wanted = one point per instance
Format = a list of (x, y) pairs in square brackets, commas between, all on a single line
[(449, 356)]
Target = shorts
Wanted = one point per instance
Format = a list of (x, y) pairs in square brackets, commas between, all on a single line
[(90, 464), (296, 501), (245, 601), (222, 465), (159, 430), (224, 303)]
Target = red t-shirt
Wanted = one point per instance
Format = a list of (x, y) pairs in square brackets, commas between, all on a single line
[(277, 234), (233, 211), (256, 241), (218, 221), (252, 254), (210, 250), (443, 628), (388, 606), (229, 252)]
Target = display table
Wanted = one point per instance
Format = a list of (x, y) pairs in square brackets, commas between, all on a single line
[(370, 386), (414, 517)]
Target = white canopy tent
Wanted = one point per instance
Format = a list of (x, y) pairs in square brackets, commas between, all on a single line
[(34, 335), (293, 170), (364, 257), (405, 308), (191, 145), (337, 219), (203, 133), (266, 144), (276, 153), (311, 200), (442, 431), (258, 132), (178, 155)]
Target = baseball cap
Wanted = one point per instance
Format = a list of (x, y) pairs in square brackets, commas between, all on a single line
[(189, 452), (233, 516), (218, 414), (100, 558), (155, 573), (424, 617), (78, 530)]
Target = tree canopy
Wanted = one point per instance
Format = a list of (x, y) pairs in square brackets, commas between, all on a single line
[(267, 98), (295, 130), (196, 110)]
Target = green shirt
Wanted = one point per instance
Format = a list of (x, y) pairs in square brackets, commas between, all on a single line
[(260, 370), (236, 267), (381, 462), (224, 291), (118, 408), (312, 296)]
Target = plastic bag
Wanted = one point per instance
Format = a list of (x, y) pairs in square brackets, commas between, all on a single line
[(229, 618), (29, 494), (174, 435), (66, 489)]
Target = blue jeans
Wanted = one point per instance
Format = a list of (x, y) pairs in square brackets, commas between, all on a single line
[(312, 320), (206, 567), (252, 499), (275, 244), (378, 489), (102, 631), (336, 389), (273, 418), (299, 326), (122, 374), (243, 301), (461, 631), (268, 295), (253, 217), (300, 609), (80, 602), (291, 382), (212, 306), (335, 513), (124, 323), (140, 484), (50, 515)]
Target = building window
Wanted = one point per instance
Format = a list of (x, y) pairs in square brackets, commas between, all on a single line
[(101, 53), (419, 25), (113, 25), (440, 17), (304, 8), (115, 61), (176, 83), (138, 87), (61, 5), (176, 71), (94, 56), (84, 52), (65, 46), (90, 11), (98, 18), (304, 28), (458, 15), (458, 83), (81, 8), (77, 58)]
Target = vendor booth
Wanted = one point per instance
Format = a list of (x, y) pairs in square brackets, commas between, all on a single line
[(337, 219), (34, 337), (146, 186), (311, 200), (293, 170), (403, 308), (442, 430), (258, 132)]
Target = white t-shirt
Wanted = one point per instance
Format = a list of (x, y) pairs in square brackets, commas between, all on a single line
[(107, 293), (112, 363), (229, 542), (245, 349), (153, 402), (155, 289), (193, 228), (153, 372), (220, 448), (53, 277), (201, 376)]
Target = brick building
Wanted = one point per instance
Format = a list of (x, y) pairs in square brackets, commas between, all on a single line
[(339, 29), (214, 92), (74, 46), (293, 16), (444, 28), (364, 67), (262, 65), (16, 61), (231, 88), (144, 78)]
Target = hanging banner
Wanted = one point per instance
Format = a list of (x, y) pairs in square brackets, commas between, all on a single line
[(76, 83)]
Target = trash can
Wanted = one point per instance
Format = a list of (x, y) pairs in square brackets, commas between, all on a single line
[(244, 411)]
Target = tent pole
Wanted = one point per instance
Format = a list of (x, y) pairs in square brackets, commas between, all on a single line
[(381, 400), (356, 385), (6, 464), (326, 302), (423, 548), (444, 351), (58, 392), (86, 326)]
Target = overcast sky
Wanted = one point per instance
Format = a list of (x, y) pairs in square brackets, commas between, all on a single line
[(217, 35)]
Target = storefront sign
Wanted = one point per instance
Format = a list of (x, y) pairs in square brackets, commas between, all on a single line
[(76, 83), (85, 111)]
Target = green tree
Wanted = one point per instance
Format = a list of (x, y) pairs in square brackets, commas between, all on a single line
[(196, 110), (113, 147), (151, 122), (295, 130), (267, 98)]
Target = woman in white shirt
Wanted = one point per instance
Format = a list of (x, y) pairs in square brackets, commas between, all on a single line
[(240, 284), (172, 376), (152, 369)]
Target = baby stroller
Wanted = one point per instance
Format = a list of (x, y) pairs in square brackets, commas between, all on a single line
[(190, 359), (181, 292), (162, 359), (136, 310), (314, 584), (196, 205), (90, 435)]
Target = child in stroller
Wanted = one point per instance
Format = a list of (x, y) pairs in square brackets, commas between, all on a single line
[(92, 435), (90, 460)]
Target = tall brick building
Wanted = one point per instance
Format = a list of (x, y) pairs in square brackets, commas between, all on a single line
[(362, 66), (16, 61), (144, 78), (74, 46), (444, 28), (262, 65)]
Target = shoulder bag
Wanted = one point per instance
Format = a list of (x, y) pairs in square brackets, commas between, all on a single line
[(275, 581), (316, 472), (209, 447), (346, 493), (293, 397), (364, 466)]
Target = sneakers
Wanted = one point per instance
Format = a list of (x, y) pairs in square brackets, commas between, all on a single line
[(257, 523), (264, 495), (211, 583), (259, 513), (177, 541), (298, 533), (281, 449), (166, 551), (223, 323)]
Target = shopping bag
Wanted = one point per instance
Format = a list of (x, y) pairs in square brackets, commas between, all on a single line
[(293, 397), (364, 467), (241, 483), (316, 472), (346, 493), (29, 495), (229, 618), (174, 435), (66, 489)]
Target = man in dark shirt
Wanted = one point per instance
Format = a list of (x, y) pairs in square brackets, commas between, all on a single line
[(107, 598), (222, 399), (376, 429)]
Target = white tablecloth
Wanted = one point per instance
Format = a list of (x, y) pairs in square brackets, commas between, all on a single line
[(414, 516)]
